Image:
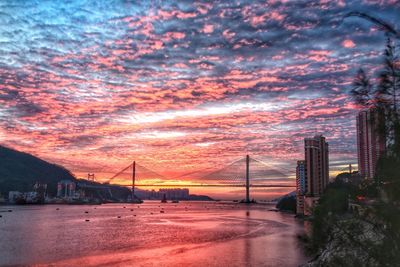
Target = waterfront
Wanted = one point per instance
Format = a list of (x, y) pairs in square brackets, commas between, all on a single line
[(150, 234)]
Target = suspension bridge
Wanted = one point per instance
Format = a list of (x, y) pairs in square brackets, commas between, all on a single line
[(246, 172)]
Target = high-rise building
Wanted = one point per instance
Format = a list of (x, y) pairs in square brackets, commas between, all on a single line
[(371, 145), (312, 174), (301, 173), (317, 165), (301, 185)]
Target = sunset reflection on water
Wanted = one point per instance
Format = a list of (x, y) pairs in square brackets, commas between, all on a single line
[(152, 234)]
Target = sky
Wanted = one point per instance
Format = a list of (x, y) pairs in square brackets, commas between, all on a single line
[(182, 86)]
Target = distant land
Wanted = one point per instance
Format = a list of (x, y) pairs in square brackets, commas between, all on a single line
[(287, 202), (19, 171)]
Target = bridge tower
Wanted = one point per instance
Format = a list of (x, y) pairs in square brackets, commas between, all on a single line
[(247, 179), (90, 177), (133, 179)]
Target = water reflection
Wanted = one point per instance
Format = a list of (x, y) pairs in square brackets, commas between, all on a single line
[(195, 234), (247, 242)]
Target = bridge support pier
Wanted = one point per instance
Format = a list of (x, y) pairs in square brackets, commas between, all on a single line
[(247, 179)]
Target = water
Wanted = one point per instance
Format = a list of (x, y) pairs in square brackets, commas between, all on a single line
[(185, 234)]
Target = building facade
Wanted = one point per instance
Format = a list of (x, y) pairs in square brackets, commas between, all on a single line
[(66, 189), (370, 144), (301, 185), (174, 193), (301, 173), (317, 165), (169, 193), (312, 174)]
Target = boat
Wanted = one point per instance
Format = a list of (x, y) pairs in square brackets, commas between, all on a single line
[(137, 201), (175, 201), (164, 200), (20, 200)]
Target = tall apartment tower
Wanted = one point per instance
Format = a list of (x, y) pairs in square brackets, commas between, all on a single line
[(301, 185), (317, 165), (371, 145)]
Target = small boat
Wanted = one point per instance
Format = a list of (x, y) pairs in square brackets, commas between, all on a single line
[(137, 201), (164, 200), (20, 200)]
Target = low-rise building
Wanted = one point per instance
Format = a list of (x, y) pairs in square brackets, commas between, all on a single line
[(14, 195), (67, 189)]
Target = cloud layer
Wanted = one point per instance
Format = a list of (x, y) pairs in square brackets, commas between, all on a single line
[(181, 86)]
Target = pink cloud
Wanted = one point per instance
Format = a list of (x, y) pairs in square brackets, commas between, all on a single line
[(208, 28), (228, 34), (174, 35), (348, 43)]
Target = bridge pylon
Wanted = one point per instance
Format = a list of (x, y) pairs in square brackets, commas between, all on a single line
[(247, 179), (133, 179)]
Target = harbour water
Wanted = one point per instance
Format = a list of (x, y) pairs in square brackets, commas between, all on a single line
[(150, 234)]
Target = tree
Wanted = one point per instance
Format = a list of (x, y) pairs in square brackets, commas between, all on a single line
[(363, 90), (385, 95), (389, 84)]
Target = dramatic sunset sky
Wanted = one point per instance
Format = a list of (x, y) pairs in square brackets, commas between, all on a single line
[(181, 86)]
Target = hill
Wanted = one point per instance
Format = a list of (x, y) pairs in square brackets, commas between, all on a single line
[(20, 171), (287, 202)]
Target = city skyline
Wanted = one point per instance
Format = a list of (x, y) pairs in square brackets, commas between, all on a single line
[(182, 87)]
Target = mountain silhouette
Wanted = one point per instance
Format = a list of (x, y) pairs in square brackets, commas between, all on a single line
[(19, 171)]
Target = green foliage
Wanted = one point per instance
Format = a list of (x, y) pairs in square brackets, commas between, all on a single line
[(331, 206), (387, 216), (374, 233), (389, 84), (388, 177), (368, 189), (383, 96), (363, 90)]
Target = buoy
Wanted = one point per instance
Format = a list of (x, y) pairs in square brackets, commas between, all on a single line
[(161, 211), (87, 220), (9, 210), (134, 215), (119, 217), (86, 212), (57, 208), (131, 209)]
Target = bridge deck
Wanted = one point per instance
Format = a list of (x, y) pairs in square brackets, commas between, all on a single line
[(208, 185)]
